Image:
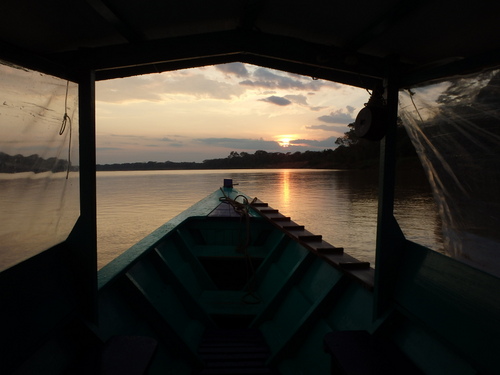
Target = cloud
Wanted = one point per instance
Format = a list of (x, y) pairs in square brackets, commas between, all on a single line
[(302, 100), (328, 128), (153, 88), (268, 79), (328, 142), (200, 86), (278, 100), (237, 69), (127, 135), (122, 90), (240, 143), (340, 116), (172, 142), (98, 149), (298, 99), (138, 141)]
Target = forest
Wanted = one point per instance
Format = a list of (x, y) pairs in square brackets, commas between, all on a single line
[(350, 153), (33, 163)]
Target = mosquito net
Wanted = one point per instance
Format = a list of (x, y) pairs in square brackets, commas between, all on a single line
[(38, 158), (455, 127)]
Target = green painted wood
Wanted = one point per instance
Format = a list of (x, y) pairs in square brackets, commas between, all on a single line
[(300, 302), (276, 243), (282, 276), (168, 301), (190, 301), (119, 265), (184, 265), (164, 310), (455, 304), (302, 296), (425, 348), (349, 307), (298, 333), (354, 311), (310, 354), (266, 289)]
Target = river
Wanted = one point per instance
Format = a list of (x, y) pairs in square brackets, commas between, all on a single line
[(39, 210), (340, 205)]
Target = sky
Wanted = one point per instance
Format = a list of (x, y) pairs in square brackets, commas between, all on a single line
[(205, 113)]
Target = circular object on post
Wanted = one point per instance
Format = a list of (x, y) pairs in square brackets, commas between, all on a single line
[(371, 123)]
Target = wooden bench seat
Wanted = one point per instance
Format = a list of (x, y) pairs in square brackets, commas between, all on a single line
[(359, 353)]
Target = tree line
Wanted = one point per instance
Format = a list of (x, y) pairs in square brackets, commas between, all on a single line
[(32, 163), (351, 152)]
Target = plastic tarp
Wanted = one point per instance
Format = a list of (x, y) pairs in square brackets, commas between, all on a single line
[(39, 181), (455, 127)]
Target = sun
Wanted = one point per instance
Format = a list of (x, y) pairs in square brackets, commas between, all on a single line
[(284, 142)]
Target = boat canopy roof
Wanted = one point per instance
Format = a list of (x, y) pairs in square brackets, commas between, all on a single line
[(344, 41)]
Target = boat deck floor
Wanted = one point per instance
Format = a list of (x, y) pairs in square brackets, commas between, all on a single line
[(234, 351)]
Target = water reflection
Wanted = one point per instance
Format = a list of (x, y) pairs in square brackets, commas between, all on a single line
[(326, 202), (285, 188), (37, 212), (340, 205)]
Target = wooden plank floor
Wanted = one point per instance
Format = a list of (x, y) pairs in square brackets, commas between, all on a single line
[(234, 351)]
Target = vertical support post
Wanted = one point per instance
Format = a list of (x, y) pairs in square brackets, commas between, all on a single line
[(83, 238), (389, 236)]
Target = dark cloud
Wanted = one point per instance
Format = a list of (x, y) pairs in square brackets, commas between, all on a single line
[(108, 149), (237, 69), (278, 100), (267, 79), (328, 142), (172, 142), (126, 135), (339, 116), (272, 146), (298, 99), (328, 128), (240, 143)]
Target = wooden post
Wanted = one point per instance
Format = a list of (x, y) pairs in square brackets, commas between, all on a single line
[(389, 236), (83, 238)]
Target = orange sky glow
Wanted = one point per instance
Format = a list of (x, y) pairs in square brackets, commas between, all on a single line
[(205, 113)]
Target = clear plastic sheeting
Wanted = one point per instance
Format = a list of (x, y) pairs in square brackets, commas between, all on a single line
[(39, 183), (455, 127)]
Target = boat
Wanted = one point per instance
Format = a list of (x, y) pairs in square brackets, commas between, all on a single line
[(231, 265), (233, 286)]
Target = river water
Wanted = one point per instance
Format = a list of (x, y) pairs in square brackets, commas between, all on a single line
[(39, 210), (340, 205)]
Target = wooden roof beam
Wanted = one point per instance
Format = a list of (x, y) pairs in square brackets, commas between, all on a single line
[(383, 23), (447, 69), (277, 51), (123, 27)]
